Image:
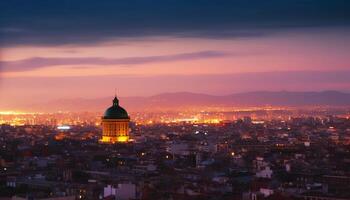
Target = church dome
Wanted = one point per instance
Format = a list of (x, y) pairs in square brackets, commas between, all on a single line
[(115, 111)]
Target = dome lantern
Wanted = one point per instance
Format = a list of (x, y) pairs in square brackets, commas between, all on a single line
[(115, 101)]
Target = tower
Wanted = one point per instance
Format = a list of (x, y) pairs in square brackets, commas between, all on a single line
[(115, 124)]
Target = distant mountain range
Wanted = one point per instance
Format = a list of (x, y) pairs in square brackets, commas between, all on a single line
[(180, 100)]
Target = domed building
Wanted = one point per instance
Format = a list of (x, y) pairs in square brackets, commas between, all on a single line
[(115, 124)]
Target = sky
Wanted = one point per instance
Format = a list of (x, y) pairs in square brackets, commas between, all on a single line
[(61, 49)]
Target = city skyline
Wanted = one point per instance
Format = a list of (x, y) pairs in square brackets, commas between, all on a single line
[(174, 99)]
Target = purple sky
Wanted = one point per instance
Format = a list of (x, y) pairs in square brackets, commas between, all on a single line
[(87, 53)]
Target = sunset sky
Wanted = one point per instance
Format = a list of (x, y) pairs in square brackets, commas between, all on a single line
[(59, 49)]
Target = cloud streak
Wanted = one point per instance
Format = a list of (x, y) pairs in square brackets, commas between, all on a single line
[(44, 62), (55, 22)]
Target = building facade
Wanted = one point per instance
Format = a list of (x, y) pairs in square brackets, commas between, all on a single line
[(115, 124)]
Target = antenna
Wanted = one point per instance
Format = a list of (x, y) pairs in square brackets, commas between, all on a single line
[(115, 92)]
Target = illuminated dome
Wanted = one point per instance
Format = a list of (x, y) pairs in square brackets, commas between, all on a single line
[(115, 111)]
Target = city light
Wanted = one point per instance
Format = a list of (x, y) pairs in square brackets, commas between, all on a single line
[(63, 127)]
